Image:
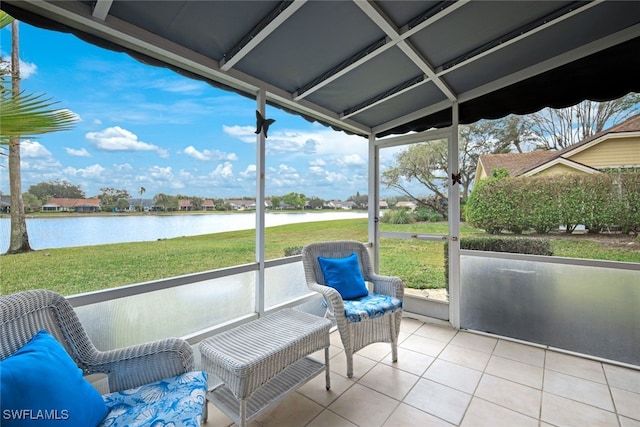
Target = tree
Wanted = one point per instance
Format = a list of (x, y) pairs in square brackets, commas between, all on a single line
[(31, 202), (275, 202), (558, 129), (316, 203), (109, 197), (22, 115), (166, 202), (514, 130), (361, 201), (484, 137), (425, 164), (59, 189), (141, 192), (297, 200)]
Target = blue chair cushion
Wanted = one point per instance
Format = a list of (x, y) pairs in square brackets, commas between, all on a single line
[(177, 402), (40, 385), (370, 307), (344, 275)]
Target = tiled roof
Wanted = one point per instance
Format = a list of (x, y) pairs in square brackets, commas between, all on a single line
[(516, 163), (68, 202)]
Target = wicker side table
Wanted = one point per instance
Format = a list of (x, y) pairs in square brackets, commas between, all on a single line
[(262, 361)]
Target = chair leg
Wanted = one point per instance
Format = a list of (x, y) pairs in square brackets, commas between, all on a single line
[(349, 354), (394, 338), (205, 411)]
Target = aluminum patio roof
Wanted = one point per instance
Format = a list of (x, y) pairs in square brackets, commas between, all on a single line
[(375, 67)]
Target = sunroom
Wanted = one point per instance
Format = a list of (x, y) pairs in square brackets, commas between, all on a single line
[(398, 73)]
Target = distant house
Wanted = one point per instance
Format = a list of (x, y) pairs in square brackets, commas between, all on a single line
[(71, 205), (338, 204), (241, 204), (5, 204), (146, 204), (615, 148), (383, 204), (185, 205), (208, 205)]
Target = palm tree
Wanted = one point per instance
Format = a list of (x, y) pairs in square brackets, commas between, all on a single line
[(141, 192), (22, 115)]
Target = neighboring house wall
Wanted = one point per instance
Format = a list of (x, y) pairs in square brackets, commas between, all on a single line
[(557, 169), (614, 152)]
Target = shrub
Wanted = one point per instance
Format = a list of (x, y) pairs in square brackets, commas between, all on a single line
[(293, 250), (398, 216), (543, 203), (424, 215)]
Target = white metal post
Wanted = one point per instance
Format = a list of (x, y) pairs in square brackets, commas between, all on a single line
[(374, 202), (454, 222), (261, 99)]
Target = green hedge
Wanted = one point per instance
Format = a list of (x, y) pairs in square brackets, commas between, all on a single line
[(543, 203)]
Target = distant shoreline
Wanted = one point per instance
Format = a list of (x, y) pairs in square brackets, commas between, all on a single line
[(173, 213)]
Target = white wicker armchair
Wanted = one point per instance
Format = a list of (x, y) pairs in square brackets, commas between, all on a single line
[(129, 369), (356, 332)]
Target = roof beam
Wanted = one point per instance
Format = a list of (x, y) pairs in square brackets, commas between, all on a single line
[(101, 9), (517, 35), (266, 26), (394, 36), (393, 92), (343, 68), (385, 24)]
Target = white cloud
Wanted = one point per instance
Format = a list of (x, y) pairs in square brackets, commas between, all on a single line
[(178, 85), (243, 133), (90, 172), (123, 168), (33, 150), (207, 155), (27, 69), (351, 160), (249, 172), (161, 173), (77, 153), (118, 139), (278, 141), (223, 170)]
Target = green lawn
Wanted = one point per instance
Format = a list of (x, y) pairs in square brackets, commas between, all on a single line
[(81, 269)]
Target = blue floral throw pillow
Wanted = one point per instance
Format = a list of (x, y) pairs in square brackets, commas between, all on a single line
[(344, 275), (41, 385)]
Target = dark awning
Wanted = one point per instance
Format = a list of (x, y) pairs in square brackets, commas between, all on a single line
[(381, 67)]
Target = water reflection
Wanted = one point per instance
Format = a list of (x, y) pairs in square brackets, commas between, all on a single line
[(96, 230)]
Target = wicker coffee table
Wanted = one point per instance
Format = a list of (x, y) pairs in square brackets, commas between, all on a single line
[(262, 361)]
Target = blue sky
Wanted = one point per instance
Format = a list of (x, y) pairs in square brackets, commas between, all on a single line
[(143, 126)]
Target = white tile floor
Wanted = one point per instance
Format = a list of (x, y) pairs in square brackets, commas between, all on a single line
[(445, 377)]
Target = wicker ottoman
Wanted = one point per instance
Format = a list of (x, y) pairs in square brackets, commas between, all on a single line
[(262, 361)]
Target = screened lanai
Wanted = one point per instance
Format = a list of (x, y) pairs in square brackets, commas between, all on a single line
[(395, 73)]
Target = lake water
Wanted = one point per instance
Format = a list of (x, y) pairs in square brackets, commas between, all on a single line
[(64, 232)]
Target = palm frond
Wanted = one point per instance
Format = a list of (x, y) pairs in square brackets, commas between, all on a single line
[(29, 115), (5, 19)]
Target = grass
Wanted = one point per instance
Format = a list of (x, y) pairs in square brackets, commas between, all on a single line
[(82, 269)]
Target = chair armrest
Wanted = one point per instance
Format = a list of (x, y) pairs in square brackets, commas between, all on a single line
[(331, 296), (137, 365), (387, 285)]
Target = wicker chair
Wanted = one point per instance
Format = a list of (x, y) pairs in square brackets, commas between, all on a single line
[(358, 331), (23, 314)]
